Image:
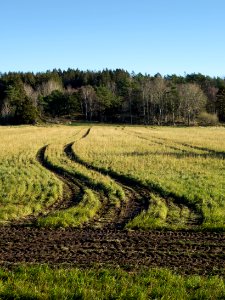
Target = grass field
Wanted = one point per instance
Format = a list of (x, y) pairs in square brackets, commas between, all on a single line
[(100, 283), (182, 168), (184, 165), (147, 196), (26, 187)]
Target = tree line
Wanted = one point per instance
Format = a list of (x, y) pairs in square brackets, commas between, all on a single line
[(111, 96)]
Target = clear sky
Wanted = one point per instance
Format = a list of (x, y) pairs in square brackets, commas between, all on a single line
[(148, 36)]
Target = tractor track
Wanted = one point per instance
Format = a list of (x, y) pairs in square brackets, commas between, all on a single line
[(181, 202), (185, 251), (72, 192), (141, 193), (208, 152), (109, 216), (137, 198)]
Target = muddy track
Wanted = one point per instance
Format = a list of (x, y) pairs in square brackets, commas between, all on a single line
[(180, 202), (137, 199), (72, 192), (140, 199), (183, 251), (109, 216), (72, 188)]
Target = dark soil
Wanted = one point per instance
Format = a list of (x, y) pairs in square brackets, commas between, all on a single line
[(185, 252)]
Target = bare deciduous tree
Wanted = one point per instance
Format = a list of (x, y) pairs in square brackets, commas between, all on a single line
[(88, 97), (31, 93), (46, 88), (6, 109), (193, 101)]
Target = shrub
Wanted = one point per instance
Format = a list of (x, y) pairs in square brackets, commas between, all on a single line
[(206, 119)]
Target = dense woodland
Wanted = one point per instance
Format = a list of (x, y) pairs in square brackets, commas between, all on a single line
[(111, 96)]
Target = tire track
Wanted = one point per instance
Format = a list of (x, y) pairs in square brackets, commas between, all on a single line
[(139, 194), (137, 198), (73, 192), (195, 215), (210, 152), (109, 215), (74, 185), (74, 188)]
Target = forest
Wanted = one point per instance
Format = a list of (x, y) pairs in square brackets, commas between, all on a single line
[(112, 96)]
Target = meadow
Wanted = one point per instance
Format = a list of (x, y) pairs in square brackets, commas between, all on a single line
[(121, 189), (26, 187), (182, 167)]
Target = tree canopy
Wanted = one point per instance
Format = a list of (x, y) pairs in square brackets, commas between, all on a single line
[(110, 96)]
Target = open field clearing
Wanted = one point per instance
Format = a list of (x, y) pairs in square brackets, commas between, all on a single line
[(124, 197), (151, 177)]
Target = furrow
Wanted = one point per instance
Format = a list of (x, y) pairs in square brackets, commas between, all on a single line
[(186, 252)]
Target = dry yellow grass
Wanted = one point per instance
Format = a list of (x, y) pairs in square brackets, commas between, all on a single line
[(188, 162), (25, 186)]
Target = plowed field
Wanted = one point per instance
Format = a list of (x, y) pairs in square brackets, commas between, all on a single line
[(186, 252)]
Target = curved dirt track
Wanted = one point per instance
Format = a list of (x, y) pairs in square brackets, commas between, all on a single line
[(186, 252), (136, 198), (196, 216), (109, 216), (140, 199), (72, 190)]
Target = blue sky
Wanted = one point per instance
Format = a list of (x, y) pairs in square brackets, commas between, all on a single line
[(148, 36)]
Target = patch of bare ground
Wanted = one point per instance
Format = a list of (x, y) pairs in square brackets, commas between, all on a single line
[(186, 252)]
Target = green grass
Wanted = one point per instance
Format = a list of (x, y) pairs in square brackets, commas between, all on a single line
[(160, 215), (74, 216), (94, 183), (25, 187), (182, 163), (156, 216), (56, 157), (42, 282)]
